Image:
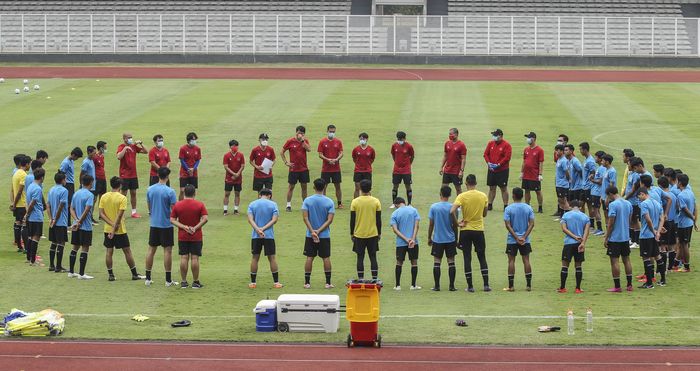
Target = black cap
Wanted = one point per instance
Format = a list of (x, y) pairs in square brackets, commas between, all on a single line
[(498, 132), (531, 135), (263, 136)]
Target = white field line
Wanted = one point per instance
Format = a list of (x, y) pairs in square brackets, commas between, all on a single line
[(597, 141), (392, 316)]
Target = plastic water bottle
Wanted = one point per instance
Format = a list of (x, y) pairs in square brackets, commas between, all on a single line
[(589, 320), (570, 322)]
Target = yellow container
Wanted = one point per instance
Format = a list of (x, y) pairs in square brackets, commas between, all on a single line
[(362, 303)]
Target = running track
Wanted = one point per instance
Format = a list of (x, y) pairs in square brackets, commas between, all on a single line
[(106, 356), (293, 73)]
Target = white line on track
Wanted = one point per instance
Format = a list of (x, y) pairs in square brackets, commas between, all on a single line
[(352, 361), (419, 77), (595, 140), (391, 316)]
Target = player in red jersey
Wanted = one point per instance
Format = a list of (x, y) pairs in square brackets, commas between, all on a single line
[(190, 155), (532, 168), (257, 157), (403, 155), (454, 160), (126, 154), (298, 146), (234, 163), (497, 156), (159, 157), (363, 156), (330, 150)]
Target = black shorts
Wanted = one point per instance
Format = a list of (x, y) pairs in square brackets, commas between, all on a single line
[(469, 238), (154, 180), (671, 236), (101, 186), (228, 187), (71, 190), (189, 248), (586, 195), (617, 249), (604, 204), (514, 248), (595, 201), (636, 212), (193, 180), (58, 235), (575, 195), (452, 179), (499, 178), (295, 177), (358, 177), (370, 244), (81, 238), (396, 179), (260, 183), (648, 248), (531, 185), (322, 249), (334, 177), (118, 241), (685, 234), (130, 183), (19, 213), (448, 249), (35, 229), (562, 192), (257, 245), (570, 252), (160, 237), (401, 252)]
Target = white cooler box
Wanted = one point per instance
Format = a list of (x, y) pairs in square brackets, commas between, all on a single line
[(308, 313)]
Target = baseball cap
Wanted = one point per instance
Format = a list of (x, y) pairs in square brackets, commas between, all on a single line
[(497, 132), (263, 136), (531, 135)]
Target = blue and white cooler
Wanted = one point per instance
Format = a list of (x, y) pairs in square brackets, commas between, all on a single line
[(266, 316)]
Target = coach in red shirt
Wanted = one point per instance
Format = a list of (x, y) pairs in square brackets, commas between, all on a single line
[(126, 154), (190, 155), (297, 146), (257, 156), (363, 156), (453, 161), (234, 163), (189, 216), (159, 157), (330, 150), (531, 171), (497, 156), (403, 155)]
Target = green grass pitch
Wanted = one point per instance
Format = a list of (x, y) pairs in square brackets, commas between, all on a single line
[(658, 120)]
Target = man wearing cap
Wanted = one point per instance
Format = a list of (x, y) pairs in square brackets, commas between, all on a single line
[(531, 170), (257, 156), (497, 156)]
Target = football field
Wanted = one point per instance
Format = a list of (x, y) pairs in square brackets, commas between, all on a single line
[(658, 120)]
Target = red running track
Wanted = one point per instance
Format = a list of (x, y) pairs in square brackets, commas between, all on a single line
[(352, 74), (155, 356)]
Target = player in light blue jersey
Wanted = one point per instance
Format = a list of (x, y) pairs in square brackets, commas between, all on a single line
[(519, 219)]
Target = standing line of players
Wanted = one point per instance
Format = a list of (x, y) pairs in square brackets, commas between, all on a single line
[(658, 219)]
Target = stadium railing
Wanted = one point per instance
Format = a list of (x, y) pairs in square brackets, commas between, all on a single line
[(348, 35)]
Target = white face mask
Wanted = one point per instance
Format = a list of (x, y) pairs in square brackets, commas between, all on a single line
[(363, 142), (159, 144), (529, 140), (400, 142), (495, 138), (130, 141), (331, 135), (560, 142), (193, 142), (263, 143)]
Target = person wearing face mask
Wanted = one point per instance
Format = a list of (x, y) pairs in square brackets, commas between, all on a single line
[(234, 163), (363, 156), (126, 154), (532, 168), (100, 176), (298, 146), (330, 150), (497, 156), (403, 154), (257, 156), (562, 140), (190, 155), (454, 160), (159, 157)]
